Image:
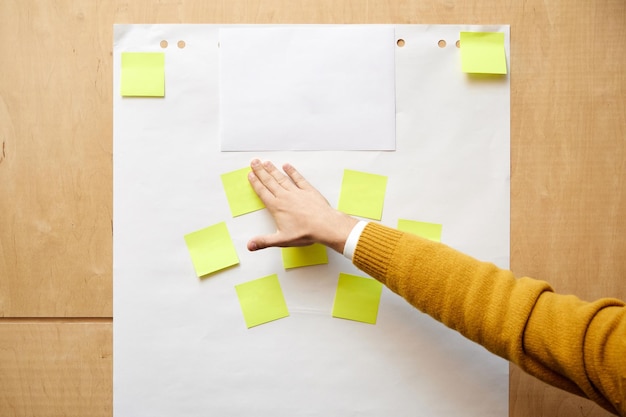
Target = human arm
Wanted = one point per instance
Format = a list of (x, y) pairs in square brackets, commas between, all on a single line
[(569, 343)]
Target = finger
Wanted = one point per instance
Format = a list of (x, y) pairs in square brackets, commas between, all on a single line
[(262, 242), (253, 245), (259, 188), (280, 178), (296, 177), (267, 180)]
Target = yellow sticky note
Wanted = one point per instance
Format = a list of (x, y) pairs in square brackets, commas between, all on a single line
[(483, 52), (304, 256), (357, 298), (426, 230), (143, 74), (241, 196), (261, 300), (362, 194), (211, 249)]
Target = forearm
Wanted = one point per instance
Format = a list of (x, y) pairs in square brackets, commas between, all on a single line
[(471, 297), (521, 320)]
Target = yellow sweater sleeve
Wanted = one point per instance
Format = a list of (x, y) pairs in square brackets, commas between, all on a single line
[(574, 345)]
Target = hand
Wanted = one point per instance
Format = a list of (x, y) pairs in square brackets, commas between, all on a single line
[(302, 215)]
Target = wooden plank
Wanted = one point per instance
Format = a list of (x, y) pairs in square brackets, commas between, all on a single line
[(55, 133), (56, 368), (568, 150), (568, 207), (531, 397), (568, 124)]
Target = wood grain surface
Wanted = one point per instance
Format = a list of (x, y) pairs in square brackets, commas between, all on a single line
[(55, 368), (568, 204)]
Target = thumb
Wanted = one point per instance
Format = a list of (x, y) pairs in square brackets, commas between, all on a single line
[(262, 242)]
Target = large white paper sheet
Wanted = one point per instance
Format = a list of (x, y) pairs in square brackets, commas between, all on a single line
[(307, 88), (181, 346)]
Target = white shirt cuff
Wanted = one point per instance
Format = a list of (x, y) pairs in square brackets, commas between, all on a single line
[(353, 239)]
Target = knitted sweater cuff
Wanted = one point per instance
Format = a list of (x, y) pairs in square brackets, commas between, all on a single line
[(375, 248)]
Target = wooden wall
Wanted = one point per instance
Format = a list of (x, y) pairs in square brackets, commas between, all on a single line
[(568, 134)]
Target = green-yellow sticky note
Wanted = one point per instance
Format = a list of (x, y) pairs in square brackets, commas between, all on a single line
[(426, 230), (362, 194), (304, 256), (211, 249), (261, 300), (241, 196), (483, 53), (143, 74), (357, 298)]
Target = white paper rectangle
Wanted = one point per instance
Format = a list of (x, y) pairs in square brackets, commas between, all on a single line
[(181, 346), (307, 88)]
